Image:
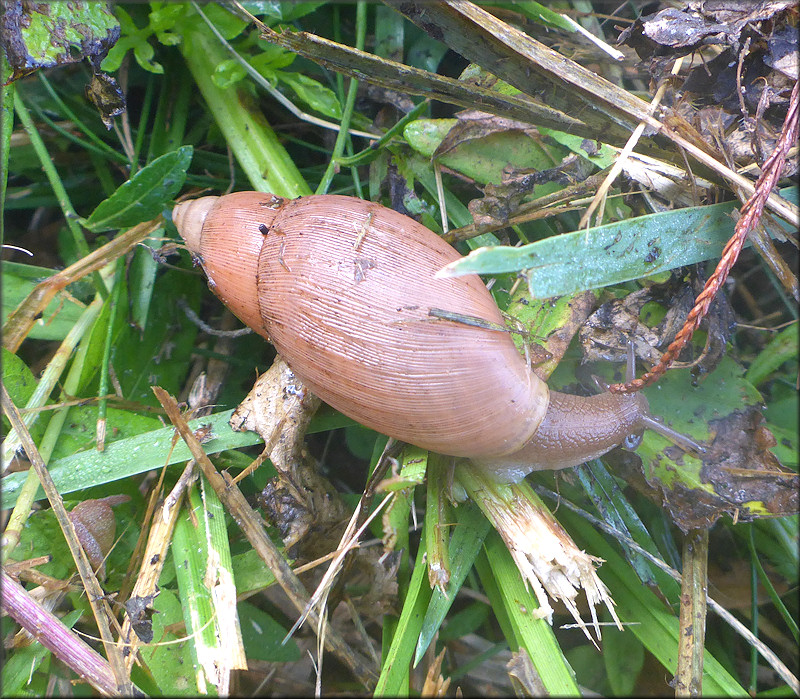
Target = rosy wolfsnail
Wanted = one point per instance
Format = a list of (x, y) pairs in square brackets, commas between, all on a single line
[(344, 288)]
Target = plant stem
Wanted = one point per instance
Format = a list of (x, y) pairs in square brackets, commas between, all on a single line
[(55, 367), (102, 390), (347, 112), (691, 640), (263, 158), (7, 93)]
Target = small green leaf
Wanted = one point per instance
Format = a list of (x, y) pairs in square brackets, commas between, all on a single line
[(143, 196), (425, 135), (782, 348), (143, 52), (251, 574), (228, 73), (313, 93), (17, 378), (623, 655), (483, 156), (171, 664), (227, 24), (134, 39), (263, 636), (272, 57)]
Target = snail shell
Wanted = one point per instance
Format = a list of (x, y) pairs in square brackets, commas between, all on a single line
[(343, 289), (96, 527)]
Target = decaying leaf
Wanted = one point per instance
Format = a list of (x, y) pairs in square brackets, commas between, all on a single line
[(472, 124), (737, 476), (279, 408), (550, 325), (371, 583), (698, 24), (307, 510), (140, 611), (747, 479), (606, 334), (46, 34), (107, 96), (501, 201), (737, 91), (524, 676)]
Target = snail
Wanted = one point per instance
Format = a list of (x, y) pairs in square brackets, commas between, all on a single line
[(96, 527), (343, 288)]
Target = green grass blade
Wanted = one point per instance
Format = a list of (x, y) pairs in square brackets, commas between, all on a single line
[(146, 451), (395, 673), (613, 253), (653, 624), (465, 545), (533, 634)]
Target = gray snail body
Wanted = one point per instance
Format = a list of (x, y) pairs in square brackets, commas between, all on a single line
[(343, 288)]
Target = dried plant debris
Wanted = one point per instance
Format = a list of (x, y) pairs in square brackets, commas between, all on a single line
[(107, 96), (140, 611), (436, 685), (307, 510), (299, 500), (371, 583), (745, 63), (526, 679), (48, 34), (606, 334), (500, 202)]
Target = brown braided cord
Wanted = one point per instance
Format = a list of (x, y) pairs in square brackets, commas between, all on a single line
[(748, 220)]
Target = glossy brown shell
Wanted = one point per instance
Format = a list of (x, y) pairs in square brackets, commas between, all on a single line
[(343, 288)]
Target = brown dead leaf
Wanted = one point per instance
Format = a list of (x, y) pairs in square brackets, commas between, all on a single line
[(742, 472), (501, 202), (524, 676), (300, 500), (307, 510), (745, 63), (140, 612), (435, 685), (107, 96)]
